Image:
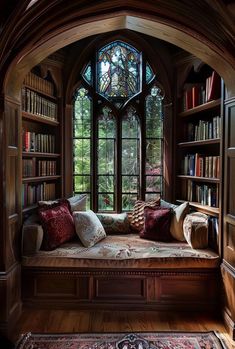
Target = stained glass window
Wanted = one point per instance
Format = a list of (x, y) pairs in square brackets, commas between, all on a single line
[(118, 130), (149, 73), (118, 70), (86, 74)]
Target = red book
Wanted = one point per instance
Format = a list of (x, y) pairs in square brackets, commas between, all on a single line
[(215, 86), (195, 96), (188, 99)]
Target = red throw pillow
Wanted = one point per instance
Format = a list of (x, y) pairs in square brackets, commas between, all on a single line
[(58, 225), (156, 224)]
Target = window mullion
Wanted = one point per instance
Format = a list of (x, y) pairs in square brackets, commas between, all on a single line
[(118, 163)]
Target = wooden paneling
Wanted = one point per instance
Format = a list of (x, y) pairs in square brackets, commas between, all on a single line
[(135, 289), (228, 266), (125, 288)]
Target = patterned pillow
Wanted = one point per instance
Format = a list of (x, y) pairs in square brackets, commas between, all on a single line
[(177, 221), (115, 223), (156, 224), (88, 227), (57, 223), (137, 218), (195, 228)]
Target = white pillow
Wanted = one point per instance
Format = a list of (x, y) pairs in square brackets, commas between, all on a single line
[(78, 202), (177, 221), (88, 227)]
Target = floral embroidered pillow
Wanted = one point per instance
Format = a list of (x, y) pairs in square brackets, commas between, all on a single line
[(88, 227), (115, 223)]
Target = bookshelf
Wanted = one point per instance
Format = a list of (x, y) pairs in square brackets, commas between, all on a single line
[(41, 149), (198, 142)]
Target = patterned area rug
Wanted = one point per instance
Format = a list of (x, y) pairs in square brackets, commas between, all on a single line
[(140, 340)]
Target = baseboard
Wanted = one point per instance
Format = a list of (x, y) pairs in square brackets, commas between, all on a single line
[(229, 324)]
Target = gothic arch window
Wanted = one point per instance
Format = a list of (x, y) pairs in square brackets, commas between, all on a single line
[(118, 129)]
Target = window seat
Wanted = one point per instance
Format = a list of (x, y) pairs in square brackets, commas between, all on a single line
[(122, 272), (124, 251)]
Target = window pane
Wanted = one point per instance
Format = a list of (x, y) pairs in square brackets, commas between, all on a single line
[(153, 183), (118, 70), (82, 156), (154, 124), (82, 184), (130, 124), (149, 73), (130, 184), (106, 184), (152, 196), (106, 202), (130, 156), (128, 201), (86, 74), (153, 157)]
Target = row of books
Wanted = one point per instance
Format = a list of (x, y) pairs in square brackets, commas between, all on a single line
[(37, 142), (203, 194), (204, 129), (31, 193), (202, 92), (201, 166), (39, 83), (32, 168), (33, 103)]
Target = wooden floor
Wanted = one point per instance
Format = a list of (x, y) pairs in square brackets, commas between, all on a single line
[(118, 321)]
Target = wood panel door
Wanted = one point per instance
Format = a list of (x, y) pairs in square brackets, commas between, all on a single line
[(228, 265)]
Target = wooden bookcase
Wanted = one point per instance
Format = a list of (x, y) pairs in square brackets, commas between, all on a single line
[(41, 145), (198, 146)]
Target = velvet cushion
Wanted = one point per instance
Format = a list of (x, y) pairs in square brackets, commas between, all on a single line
[(195, 228), (57, 223), (88, 227), (156, 224), (115, 223), (137, 217), (177, 221)]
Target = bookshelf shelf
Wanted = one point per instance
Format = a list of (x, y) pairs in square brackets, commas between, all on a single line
[(29, 208), (43, 93), (31, 154), (200, 108), (40, 179), (40, 119), (199, 143), (213, 211), (200, 179)]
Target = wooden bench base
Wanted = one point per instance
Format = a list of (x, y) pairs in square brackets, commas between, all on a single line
[(121, 289)]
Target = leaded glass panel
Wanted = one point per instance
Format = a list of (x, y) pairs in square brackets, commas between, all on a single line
[(118, 71), (87, 74), (149, 73)]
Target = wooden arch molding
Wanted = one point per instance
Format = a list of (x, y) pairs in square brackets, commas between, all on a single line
[(146, 24)]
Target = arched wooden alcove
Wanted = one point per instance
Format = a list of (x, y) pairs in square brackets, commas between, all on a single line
[(27, 57)]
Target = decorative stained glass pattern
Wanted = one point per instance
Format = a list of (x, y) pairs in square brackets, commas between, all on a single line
[(118, 70), (116, 126), (106, 159), (86, 74), (130, 158), (149, 73), (154, 141), (82, 142)]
